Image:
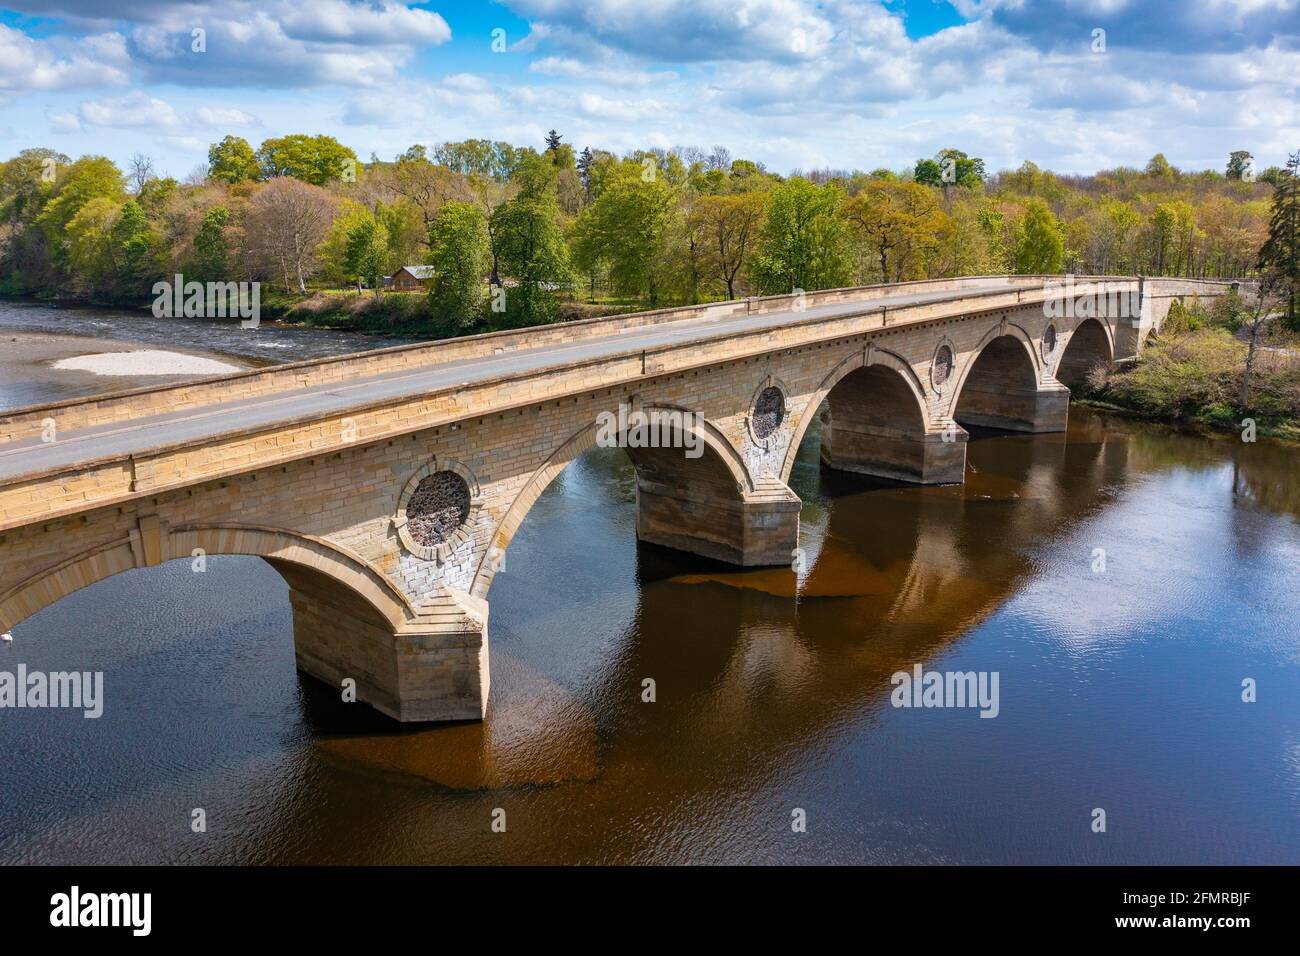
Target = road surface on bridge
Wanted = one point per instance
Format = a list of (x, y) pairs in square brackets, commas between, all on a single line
[(31, 455)]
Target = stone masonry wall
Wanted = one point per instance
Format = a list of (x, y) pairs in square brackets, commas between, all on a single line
[(347, 494)]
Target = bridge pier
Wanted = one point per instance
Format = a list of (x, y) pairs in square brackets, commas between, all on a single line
[(432, 669), (756, 529), (1015, 408), (868, 446)]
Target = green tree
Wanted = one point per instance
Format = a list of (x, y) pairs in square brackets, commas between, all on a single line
[(1159, 167), (112, 250), (135, 247), (1041, 247), (629, 224), (1114, 237), (1189, 233), (1164, 232), (458, 251), (950, 167), (1280, 254), (583, 165), (1239, 162), (91, 177), (406, 240), (313, 159), (210, 246), (928, 173), (414, 154), (89, 252), (233, 161), (332, 253), (901, 223), (365, 255), (481, 157), (530, 245), (599, 171), (26, 182), (157, 195), (730, 226), (560, 153), (969, 241), (803, 243)]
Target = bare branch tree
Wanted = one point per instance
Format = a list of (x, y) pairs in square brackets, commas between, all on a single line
[(285, 223), (139, 170), (1265, 305)]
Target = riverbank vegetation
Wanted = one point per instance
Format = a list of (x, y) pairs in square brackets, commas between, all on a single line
[(518, 237), (1200, 371), (1235, 364)]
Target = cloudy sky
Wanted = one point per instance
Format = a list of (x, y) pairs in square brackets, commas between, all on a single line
[(791, 83)]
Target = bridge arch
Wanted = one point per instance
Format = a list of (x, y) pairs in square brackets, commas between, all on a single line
[(665, 475), (894, 380), (1005, 330), (304, 561), (1003, 386), (1090, 343)]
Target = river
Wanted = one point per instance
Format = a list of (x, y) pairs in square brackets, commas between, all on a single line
[(1120, 677)]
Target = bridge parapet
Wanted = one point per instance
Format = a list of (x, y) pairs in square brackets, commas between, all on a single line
[(143, 402), (244, 437), (1158, 296)]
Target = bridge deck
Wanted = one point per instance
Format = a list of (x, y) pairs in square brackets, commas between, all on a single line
[(29, 456)]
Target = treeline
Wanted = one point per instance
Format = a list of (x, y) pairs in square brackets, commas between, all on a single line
[(511, 232)]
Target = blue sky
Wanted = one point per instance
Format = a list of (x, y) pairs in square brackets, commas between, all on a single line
[(791, 83)]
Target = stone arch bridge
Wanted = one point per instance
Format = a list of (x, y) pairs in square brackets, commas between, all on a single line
[(385, 487)]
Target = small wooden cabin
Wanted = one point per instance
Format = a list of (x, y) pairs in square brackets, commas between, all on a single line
[(412, 278)]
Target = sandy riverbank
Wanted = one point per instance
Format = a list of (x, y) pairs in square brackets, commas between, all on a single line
[(37, 367)]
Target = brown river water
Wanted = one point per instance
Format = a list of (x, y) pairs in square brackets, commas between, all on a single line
[(1119, 689)]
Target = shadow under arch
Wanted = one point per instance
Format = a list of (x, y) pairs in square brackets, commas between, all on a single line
[(306, 563), (1001, 387), (864, 374), (1089, 345), (1004, 330), (665, 474)]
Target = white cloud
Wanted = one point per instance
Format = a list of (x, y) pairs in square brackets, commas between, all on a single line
[(383, 22), (467, 82), (29, 65), (689, 30), (267, 43), (134, 111), (224, 116), (376, 109), (787, 82), (606, 108), (64, 122), (259, 49), (606, 75)]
